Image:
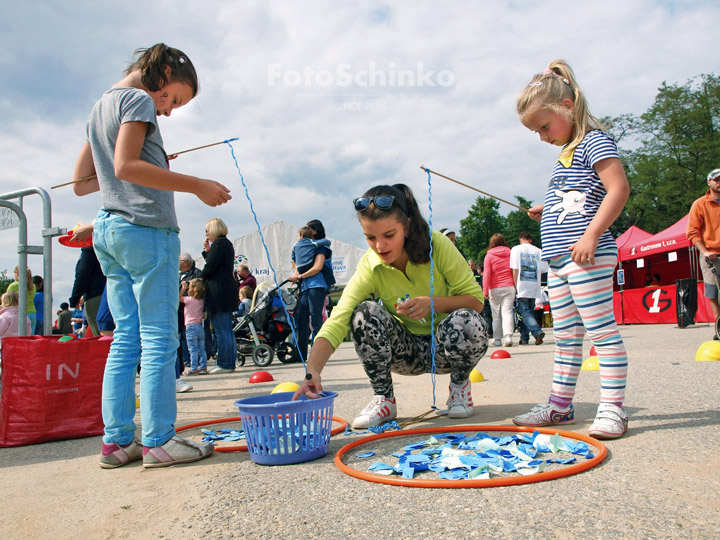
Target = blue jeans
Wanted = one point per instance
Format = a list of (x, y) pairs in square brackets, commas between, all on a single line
[(141, 266), (226, 346), (528, 324), (195, 335), (309, 310)]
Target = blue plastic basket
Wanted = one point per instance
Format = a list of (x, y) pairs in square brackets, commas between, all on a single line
[(280, 431)]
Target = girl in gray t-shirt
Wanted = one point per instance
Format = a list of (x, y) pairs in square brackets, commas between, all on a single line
[(136, 241)]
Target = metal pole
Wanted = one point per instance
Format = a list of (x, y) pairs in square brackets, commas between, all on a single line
[(22, 265), (48, 233)]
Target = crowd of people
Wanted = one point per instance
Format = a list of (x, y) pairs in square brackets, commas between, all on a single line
[(390, 308)]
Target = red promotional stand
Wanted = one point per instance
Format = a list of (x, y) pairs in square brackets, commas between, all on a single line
[(667, 254)]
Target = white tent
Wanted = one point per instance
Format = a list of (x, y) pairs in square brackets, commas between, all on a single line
[(280, 238)]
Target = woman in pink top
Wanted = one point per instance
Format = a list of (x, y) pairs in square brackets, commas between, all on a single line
[(499, 288), (194, 330)]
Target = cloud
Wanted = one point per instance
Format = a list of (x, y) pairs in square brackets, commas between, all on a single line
[(306, 151)]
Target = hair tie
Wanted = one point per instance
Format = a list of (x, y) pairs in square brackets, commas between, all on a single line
[(551, 72)]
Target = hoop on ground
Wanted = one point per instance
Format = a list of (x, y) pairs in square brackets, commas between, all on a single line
[(477, 483), (243, 447)]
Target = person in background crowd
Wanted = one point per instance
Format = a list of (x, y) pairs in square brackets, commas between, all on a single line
[(527, 269), (499, 288), (9, 319), (221, 299), (450, 234), (15, 285), (64, 320), (39, 301), (245, 278), (89, 284), (703, 230), (78, 316)]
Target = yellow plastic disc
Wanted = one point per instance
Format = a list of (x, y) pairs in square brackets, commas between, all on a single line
[(476, 376), (708, 352), (591, 363), (285, 387)]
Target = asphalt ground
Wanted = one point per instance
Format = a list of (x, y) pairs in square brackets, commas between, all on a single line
[(661, 480)]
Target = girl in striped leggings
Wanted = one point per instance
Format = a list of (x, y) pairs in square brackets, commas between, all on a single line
[(586, 193)]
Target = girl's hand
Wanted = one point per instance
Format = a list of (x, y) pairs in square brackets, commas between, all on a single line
[(212, 193), (535, 212), (82, 232), (583, 251), (415, 308), (311, 388)]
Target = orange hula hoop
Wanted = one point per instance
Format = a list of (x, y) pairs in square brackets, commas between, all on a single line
[(243, 447), (474, 482)]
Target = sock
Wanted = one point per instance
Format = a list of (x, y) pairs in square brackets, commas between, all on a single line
[(563, 403)]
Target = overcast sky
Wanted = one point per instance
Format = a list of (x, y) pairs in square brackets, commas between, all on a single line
[(328, 98)]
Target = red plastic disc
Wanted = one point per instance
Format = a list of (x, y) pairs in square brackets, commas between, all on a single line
[(261, 376), (67, 241)]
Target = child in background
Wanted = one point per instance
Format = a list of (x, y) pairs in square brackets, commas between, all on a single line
[(245, 296), (9, 316), (136, 241), (15, 286), (303, 252), (194, 329), (586, 194), (78, 315)]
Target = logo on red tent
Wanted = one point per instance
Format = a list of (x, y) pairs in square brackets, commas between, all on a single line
[(654, 302)]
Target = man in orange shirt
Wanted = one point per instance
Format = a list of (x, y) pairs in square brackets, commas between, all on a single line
[(703, 231)]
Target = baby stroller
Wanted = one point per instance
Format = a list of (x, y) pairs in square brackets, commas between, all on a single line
[(262, 332)]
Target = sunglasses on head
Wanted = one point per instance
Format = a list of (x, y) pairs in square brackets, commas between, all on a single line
[(383, 202)]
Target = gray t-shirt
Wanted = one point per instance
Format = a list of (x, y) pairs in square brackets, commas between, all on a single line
[(139, 205)]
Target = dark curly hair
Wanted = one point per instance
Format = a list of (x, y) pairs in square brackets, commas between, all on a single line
[(406, 211)]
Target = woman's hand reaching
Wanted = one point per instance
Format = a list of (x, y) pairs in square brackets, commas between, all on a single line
[(311, 388)]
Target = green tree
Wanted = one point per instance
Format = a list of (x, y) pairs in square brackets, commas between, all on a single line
[(671, 148), (5, 281), (518, 221), (483, 220)]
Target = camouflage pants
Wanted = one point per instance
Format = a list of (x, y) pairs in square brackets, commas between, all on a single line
[(384, 346)]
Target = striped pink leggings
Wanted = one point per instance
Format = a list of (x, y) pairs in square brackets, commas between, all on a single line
[(581, 300)]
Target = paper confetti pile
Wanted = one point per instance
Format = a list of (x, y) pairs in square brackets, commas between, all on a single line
[(212, 435), (480, 456), (273, 441)]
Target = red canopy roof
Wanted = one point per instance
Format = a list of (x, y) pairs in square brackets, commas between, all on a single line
[(631, 236), (671, 239)]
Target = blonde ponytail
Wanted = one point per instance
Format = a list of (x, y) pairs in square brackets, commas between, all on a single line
[(548, 89)]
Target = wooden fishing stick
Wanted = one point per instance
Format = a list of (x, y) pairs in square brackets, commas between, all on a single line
[(175, 154), (474, 189), (422, 417)]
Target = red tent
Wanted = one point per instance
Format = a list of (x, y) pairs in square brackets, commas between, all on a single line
[(671, 239), (632, 235), (667, 254)]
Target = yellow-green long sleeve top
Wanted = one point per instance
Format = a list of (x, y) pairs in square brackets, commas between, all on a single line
[(451, 277)]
